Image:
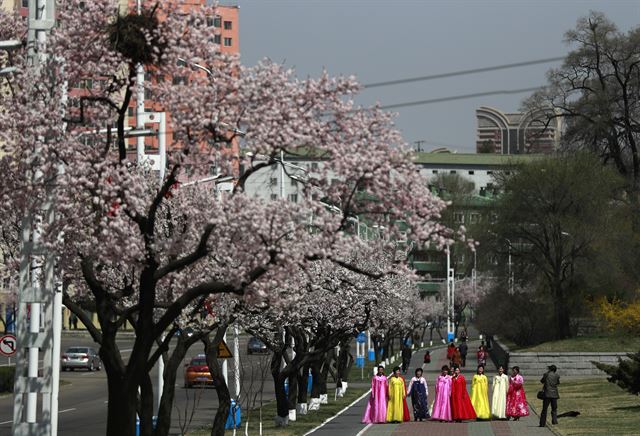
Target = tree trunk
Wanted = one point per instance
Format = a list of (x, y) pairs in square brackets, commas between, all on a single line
[(170, 375), (121, 409), (222, 390), (303, 380), (563, 317), (282, 407), (145, 412)]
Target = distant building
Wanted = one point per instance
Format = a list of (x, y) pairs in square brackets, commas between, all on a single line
[(516, 132)]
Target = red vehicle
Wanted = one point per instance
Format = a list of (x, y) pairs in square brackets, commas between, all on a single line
[(197, 372)]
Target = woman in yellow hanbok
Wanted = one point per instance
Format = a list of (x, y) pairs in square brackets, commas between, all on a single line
[(480, 394), (397, 394)]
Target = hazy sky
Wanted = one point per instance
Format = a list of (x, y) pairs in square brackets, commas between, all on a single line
[(394, 39)]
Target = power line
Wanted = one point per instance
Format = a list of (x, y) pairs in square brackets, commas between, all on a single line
[(460, 97), (463, 72)]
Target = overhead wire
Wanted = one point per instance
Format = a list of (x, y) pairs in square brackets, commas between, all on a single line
[(460, 97), (463, 72)]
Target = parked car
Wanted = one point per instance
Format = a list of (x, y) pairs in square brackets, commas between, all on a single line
[(255, 345), (80, 357), (197, 372)]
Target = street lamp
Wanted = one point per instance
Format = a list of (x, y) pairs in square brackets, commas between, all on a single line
[(450, 297), (511, 280)]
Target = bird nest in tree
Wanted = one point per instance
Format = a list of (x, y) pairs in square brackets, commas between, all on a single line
[(136, 37)]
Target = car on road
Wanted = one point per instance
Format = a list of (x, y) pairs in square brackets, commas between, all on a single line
[(196, 372), (80, 358), (255, 345)]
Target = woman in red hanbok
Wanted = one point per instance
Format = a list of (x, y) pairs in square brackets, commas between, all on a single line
[(461, 407), (516, 399)]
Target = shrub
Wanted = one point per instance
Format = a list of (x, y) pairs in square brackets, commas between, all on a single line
[(521, 318)]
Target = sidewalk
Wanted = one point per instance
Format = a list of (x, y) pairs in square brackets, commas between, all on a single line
[(349, 422)]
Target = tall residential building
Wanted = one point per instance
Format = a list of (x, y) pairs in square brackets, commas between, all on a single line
[(225, 22), (516, 132)]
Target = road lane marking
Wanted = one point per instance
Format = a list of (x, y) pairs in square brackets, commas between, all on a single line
[(62, 411), (361, 432), (328, 420)]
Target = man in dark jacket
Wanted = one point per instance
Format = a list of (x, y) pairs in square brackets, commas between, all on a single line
[(550, 381), (463, 351)]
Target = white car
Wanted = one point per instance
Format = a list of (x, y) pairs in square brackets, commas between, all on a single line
[(80, 357)]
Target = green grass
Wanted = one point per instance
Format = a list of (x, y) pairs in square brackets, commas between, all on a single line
[(604, 408), (601, 343), (303, 424)]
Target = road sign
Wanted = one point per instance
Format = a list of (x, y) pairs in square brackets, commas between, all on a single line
[(8, 345), (223, 351), (361, 338)]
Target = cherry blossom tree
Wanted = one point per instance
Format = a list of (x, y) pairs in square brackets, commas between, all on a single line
[(327, 307), (149, 252)]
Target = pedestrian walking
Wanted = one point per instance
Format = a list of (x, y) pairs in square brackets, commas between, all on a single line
[(406, 358), (397, 394), (457, 358), (451, 349), (464, 349), (461, 407), (500, 387), (74, 321), (516, 399), (376, 411), (418, 392), (550, 381), (482, 356), (480, 394), (441, 410), (426, 360)]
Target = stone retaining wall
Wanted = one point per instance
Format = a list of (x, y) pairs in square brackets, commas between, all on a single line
[(569, 364)]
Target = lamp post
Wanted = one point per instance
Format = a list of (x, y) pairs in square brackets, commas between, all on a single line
[(450, 297), (510, 279)]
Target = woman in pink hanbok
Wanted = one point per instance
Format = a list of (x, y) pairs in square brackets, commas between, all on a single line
[(516, 399), (442, 404), (376, 411)]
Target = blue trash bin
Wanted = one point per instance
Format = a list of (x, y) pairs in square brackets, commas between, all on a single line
[(309, 382), (234, 418)]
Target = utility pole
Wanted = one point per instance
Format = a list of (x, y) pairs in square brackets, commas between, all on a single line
[(418, 144), (38, 298)]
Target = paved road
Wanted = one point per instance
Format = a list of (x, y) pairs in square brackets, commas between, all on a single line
[(83, 401), (348, 424)]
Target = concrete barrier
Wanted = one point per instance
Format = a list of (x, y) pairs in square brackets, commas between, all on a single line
[(571, 364)]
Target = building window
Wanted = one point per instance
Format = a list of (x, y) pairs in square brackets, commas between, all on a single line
[(489, 172), (217, 39), (273, 181), (179, 80), (294, 182), (274, 197), (25, 3), (474, 218), (435, 171), (227, 25), (458, 218), (471, 172), (227, 42), (217, 21), (212, 170), (148, 94), (130, 111), (314, 166), (452, 171), (293, 198)]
